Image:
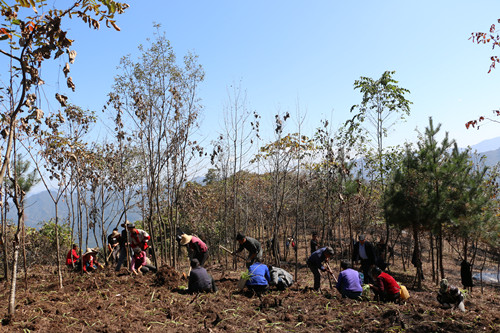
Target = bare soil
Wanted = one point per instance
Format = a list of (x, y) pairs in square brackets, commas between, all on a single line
[(110, 302)]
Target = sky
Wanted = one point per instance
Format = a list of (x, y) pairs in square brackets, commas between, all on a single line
[(305, 55), (290, 55)]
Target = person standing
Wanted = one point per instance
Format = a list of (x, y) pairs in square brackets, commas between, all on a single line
[(251, 245), (198, 249), (122, 243), (314, 242), (138, 237), (315, 264), (349, 281), (364, 251), (114, 245)]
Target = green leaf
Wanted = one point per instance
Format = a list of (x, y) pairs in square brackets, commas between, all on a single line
[(16, 21)]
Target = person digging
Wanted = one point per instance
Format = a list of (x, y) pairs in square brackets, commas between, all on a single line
[(315, 264)]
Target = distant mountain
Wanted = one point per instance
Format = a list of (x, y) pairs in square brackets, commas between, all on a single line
[(492, 157), (487, 145)]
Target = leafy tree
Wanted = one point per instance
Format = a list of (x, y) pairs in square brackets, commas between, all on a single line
[(31, 34)]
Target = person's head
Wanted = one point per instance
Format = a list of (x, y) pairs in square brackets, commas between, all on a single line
[(195, 263), (443, 286), (241, 238), (137, 251), (362, 239), (75, 247), (328, 252), (315, 235), (375, 272), (345, 265), (115, 233), (185, 239)]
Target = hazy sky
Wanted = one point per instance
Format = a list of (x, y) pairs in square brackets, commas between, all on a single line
[(307, 54)]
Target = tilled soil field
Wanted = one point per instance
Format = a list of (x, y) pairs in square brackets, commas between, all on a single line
[(110, 302)]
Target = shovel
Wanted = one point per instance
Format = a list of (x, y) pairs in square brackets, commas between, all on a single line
[(231, 252)]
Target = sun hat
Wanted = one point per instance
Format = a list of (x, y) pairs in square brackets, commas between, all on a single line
[(115, 233), (130, 225), (89, 250), (186, 239)]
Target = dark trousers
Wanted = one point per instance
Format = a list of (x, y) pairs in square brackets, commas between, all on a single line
[(259, 289), (122, 257), (148, 268), (350, 294), (317, 276), (365, 267), (202, 257)]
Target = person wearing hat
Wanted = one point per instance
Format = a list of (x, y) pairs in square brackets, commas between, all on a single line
[(251, 245), (198, 249), (139, 262), (113, 244), (199, 279), (349, 282), (315, 264), (89, 260), (386, 289), (450, 296), (365, 252), (72, 257), (138, 237)]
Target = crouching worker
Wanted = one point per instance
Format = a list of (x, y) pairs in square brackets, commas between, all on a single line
[(89, 261), (199, 279), (386, 289), (139, 262), (315, 264), (72, 258), (450, 296), (349, 282), (259, 277), (280, 278)]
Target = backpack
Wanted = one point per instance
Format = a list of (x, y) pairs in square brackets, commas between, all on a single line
[(403, 293)]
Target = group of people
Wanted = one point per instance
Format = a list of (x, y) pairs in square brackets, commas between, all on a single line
[(260, 276), (131, 239)]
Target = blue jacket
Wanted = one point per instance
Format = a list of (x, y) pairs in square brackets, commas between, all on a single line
[(316, 259), (259, 275)]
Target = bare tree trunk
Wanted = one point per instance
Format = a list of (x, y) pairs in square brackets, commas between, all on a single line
[(58, 250), (12, 297), (4, 236)]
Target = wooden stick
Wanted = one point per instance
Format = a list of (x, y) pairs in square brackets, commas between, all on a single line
[(231, 252)]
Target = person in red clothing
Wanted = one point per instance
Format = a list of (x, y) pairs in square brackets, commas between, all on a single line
[(89, 261), (198, 249), (386, 289), (138, 237), (72, 257)]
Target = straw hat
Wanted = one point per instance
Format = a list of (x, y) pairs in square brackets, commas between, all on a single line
[(186, 239), (115, 233), (89, 250)]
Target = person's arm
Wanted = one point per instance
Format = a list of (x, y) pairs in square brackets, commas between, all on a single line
[(339, 281)]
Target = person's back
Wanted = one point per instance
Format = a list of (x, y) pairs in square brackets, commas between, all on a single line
[(280, 278), (199, 279), (349, 282)]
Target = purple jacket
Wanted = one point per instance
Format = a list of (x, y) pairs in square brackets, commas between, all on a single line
[(349, 280)]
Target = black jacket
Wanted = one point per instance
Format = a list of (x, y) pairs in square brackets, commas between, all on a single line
[(370, 252), (199, 280)]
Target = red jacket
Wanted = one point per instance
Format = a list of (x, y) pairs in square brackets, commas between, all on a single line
[(387, 284), (139, 238), (75, 257)]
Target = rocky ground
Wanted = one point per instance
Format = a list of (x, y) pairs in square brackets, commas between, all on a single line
[(110, 302)]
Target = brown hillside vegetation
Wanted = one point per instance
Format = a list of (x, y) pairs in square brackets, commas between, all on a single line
[(107, 302)]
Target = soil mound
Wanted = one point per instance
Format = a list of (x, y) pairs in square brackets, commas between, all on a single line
[(168, 277)]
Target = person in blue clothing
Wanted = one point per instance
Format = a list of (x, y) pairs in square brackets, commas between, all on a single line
[(349, 281), (315, 264), (259, 277)]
